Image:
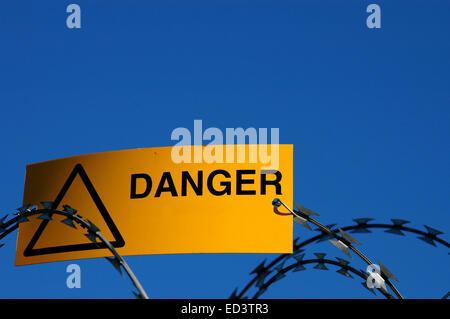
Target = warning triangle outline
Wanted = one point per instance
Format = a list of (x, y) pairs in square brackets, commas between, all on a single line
[(118, 239)]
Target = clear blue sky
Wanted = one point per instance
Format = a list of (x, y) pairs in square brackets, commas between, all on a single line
[(367, 112)]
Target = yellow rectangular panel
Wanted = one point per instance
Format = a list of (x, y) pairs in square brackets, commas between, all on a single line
[(144, 203)]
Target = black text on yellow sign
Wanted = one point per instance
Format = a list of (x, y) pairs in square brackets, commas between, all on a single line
[(146, 204)]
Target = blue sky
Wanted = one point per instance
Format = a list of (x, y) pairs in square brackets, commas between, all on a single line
[(367, 111)]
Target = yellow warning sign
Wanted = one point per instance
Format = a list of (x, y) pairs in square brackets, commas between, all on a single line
[(145, 203)]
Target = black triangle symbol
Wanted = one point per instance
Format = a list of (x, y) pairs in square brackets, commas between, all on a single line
[(118, 239)]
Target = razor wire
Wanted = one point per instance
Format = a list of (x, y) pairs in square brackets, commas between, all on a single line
[(72, 216), (362, 226), (299, 265), (301, 216)]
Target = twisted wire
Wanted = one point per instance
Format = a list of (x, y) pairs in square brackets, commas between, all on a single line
[(7, 227)]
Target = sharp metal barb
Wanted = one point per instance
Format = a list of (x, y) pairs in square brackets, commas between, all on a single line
[(305, 210), (386, 271), (343, 262), (428, 240), (341, 246), (433, 232), (360, 230), (344, 272), (45, 216), (362, 221), (69, 210), (262, 278), (1, 245), (320, 255), (69, 222), (320, 265), (399, 222), (348, 238), (362, 225), (47, 205), (259, 269), (395, 231), (299, 259), (116, 264), (92, 237), (301, 221)]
